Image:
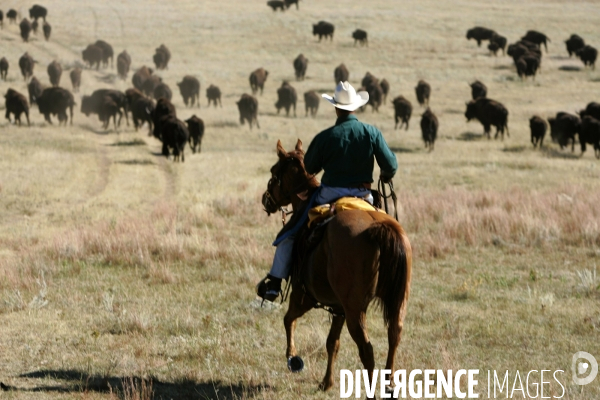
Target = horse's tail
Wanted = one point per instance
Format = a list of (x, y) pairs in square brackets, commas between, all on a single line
[(395, 262)]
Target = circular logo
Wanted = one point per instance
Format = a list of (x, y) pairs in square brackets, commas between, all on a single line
[(580, 367)]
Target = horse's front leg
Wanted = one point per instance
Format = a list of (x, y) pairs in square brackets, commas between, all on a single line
[(333, 345), (299, 305)]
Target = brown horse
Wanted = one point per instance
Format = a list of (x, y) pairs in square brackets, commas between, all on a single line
[(363, 255)]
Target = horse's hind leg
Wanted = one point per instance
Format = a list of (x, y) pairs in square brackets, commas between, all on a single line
[(299, 305), (394, 334), (357, 326), (333, 345)]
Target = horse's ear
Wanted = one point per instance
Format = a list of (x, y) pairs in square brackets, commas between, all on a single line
[(280, 150), (299, 145)]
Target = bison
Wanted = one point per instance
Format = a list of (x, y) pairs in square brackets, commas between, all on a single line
[(375, 95), (140, 77), (589, 134), (150, 84), (93, 55), (16, 104), (478, 89), (588, 55), (300, 65), (537, 38), (26, 65), (173, 134), (429, 128), (248, 108), (563, 129), (480, 34), (55, 101), (1, 19), (288, 3), (107, 52), (105, 107), (161, 57), (323, 29), (95, 104), (341, 74), (538, 128), (490, 113), (34, 26), (360, 36), (37, 11), (54, 72), (189, 88), (276, 4), (574, 43), (3, 68), (311, 102), (47, 30), (123, 64), (196, 129), (385, 88), (12, 15), (213, 93), (402, 111), (286, 98), (423, 91), (35, 89), (257, 80), (25, 27), (141, 111), (499, 41), (592, 109), (162, 90), (527, 65), (75, 76)]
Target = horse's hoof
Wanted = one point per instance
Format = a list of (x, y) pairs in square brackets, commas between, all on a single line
[(325, 386)]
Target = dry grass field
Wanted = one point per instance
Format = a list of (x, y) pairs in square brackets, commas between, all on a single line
[(125, 275)]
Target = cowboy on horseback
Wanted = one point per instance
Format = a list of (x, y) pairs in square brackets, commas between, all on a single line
[(346, 152)]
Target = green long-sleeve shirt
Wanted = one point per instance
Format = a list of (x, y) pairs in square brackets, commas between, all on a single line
[(347, 152)]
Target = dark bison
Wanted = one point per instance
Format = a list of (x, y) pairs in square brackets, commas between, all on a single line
[(163, 108), (429, 128), (360, 36), (537, 38), (1, 19), (151, 84), (162, 90), (423, 91), (257, 80), (563, 129), (574, 43), (35, 89), (3, 68), (385, 88), (288, 3), (47, 30), (93, 55), (36, 12), (190, 90), (369, 80), (107, 52), (311, 102), (493, 48), (16, 104), (402, 111), (248, 107), (25, 27), (375, 95), (300, 65), (276, 4), (490, 113), (478, 89), (55, 101), (141, 111), (592, 109), (286, 98), (26, 65), (140, 77), (499, 41), (213, 93), (123, 64), (341, 74), (588, 55), (54, 73), (538, 128), (480, 34), (589, 134), (75, 76), (12, 15), (161, 57), (196, 128), (323, 28), (527, 65), (105, 107), (132, 95), (173, 134), (96, 104)]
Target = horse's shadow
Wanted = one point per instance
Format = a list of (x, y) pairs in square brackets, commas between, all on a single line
[(78, 381)]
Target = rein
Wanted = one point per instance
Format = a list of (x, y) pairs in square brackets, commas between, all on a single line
[(384, 196)]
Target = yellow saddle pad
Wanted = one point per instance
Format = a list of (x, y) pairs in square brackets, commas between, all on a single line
[(324, 211)]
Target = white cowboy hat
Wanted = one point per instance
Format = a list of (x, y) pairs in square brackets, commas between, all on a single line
[(346, 97)]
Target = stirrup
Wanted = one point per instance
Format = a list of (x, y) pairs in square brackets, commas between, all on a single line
[(264, 292)]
